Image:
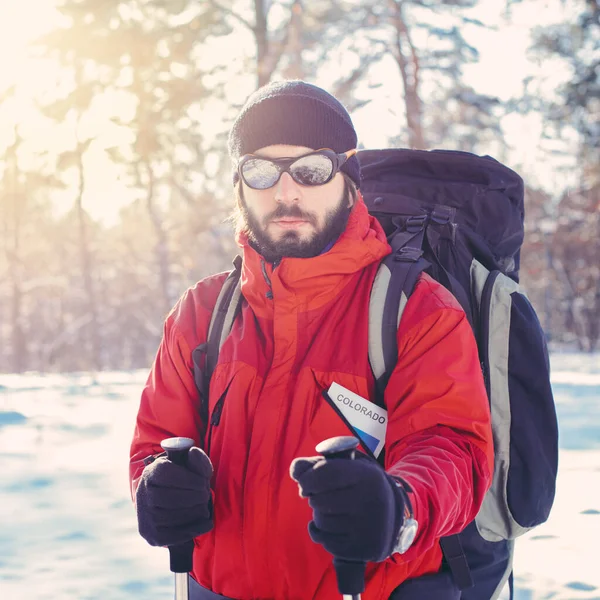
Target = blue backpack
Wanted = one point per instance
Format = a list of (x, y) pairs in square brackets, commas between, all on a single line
[(458, 217)]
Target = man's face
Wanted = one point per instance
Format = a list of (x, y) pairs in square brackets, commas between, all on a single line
[(290, 219)]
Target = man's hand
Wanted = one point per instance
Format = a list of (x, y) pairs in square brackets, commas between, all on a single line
[(357, 507), (174, 503)]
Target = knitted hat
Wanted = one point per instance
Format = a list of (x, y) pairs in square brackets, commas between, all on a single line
[(295, 113)]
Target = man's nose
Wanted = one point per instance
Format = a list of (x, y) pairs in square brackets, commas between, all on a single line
[(287, 190)]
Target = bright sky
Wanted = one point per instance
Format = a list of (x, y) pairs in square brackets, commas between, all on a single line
[(503, 66), (22, 21)]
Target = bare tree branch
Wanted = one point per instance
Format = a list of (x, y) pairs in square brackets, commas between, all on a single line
[(231, 13), (409, 71), (270, 52), (343, 88)]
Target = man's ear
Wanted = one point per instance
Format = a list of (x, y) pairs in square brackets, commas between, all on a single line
[(350, 191), (352, 194)]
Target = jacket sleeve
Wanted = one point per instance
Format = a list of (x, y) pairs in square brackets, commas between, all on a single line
[(439, 436), (170, 404)]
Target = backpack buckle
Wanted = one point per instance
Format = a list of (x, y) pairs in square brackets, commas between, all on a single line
[(416, 224), (408, 254), (442, 215)]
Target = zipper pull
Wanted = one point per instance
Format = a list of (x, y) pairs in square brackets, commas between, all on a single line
[(216, 416), (263, 268)]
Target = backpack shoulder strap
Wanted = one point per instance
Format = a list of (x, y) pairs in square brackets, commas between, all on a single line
[(223, 315), (393, 284), (206, 355)]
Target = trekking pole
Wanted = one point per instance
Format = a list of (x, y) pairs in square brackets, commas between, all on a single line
[(180, 555), (350, 574)]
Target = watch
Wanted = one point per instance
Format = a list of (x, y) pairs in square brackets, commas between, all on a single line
[(410, 526)]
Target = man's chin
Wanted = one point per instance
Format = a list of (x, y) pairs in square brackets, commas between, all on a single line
[(305, 243), (291, 237), (290, 246)]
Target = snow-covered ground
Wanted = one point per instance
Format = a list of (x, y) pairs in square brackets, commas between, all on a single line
[(68, 530)]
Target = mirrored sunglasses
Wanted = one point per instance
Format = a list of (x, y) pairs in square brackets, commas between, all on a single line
[(314, 168)]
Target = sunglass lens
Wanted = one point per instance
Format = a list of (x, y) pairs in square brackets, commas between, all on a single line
[(260, 174), (314, 169)]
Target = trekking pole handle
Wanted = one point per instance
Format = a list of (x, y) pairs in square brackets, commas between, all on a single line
[(350, 574), (180, 555)]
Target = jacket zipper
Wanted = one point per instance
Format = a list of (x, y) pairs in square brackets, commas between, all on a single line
[(263, 268), (215, 418), (348, 425)]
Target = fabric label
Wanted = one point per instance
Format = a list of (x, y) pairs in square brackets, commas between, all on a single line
[(368, 420)]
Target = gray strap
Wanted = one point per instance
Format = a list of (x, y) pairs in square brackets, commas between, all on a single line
[(376, 303), (494, 520)]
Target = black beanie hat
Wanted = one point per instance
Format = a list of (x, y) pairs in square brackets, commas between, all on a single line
[(295, 113)]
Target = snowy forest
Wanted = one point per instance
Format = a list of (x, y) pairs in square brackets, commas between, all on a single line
[(127, 103)]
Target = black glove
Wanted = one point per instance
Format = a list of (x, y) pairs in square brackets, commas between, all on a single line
[(174, 503), (357, 507)]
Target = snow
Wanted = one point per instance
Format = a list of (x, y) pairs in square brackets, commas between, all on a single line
[(558, 560), (69, 529)]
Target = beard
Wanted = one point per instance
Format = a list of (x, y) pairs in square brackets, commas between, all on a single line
[(290, 244)]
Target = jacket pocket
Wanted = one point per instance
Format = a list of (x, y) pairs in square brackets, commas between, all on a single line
[(339, 424), (220, 384), (215, 417)]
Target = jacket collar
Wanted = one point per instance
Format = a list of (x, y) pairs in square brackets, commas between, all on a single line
[(311, 282)]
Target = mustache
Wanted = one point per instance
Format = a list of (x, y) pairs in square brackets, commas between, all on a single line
[(292, 211)]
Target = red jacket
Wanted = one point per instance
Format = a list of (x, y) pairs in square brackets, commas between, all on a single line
[(303, 327)]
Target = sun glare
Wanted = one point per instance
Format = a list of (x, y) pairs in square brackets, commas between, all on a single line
[(21, 21), (23, 77), (24, 80)]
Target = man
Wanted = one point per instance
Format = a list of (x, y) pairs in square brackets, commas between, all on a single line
[(310, 254)]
